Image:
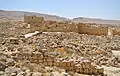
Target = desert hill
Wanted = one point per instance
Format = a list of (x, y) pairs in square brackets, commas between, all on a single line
[(18, 15), (95, 20)]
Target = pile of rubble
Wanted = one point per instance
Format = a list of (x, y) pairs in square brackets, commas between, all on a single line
[(70, 51), (73, 64)]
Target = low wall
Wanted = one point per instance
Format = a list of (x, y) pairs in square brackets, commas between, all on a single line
[(62, 28), (116, 31), (33, 20), (92, 30), (83, 28), (81, 66)]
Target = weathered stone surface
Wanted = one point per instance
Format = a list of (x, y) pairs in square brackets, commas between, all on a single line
[(66, 63), (2, 66), (10, 62), (63, 50), (37, 74), (1, 73)]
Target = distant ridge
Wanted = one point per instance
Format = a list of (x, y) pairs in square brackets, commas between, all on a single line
[(19, 15), (95, 20)]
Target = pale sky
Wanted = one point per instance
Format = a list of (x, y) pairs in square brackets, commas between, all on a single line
[(106, 9)]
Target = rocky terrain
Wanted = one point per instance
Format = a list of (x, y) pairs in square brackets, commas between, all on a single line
[(97, 50), (25, 50)]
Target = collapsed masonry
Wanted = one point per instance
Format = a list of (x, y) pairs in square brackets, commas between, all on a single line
[(76, 65)]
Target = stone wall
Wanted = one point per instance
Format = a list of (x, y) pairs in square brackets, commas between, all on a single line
[(52, 26), (92, 30), (80, 66), (33, 20), (38, 23), (62, 28), (116, 31)]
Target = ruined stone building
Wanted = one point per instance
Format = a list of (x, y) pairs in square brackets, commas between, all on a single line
[(82, 28)]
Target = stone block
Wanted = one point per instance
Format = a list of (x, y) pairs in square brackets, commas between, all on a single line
[(62, 64), (33, 58), (35, 61), (83, 65), (49, 59), (40, 60), (49, 63), (86, 70), (87, 64), (32, 61), (70, 68), (45, 56), (40, 56), (68, 64), (78, 67), (56, 64), (100, 70), (95, 71), (14, 40), (81, 70), (72, 63), (77, 70), (19, 58), (45, 63), (90, 71), (19, 55)]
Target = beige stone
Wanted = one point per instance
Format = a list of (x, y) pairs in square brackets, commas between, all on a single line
[(68, 64), (72, 63), (83, 65), (90, 71), (50, 63), (101, 70), (77, 70), (70, 68), (87, 64), (63, 64), (45, 63), (95, 71), (86, 71), (81, 70), (49, 59), (57, 64), (40, 60)]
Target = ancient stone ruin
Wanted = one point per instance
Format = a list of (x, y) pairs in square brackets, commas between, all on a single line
[(82, 28), (76, 65), (39, 47)]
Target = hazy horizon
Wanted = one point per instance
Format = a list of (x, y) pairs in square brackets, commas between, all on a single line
[(104, 9)]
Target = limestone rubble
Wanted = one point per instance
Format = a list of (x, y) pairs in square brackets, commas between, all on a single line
[(69, 51), (54, 53)]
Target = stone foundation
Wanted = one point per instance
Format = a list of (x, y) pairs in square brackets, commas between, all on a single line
[(81, 66)]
